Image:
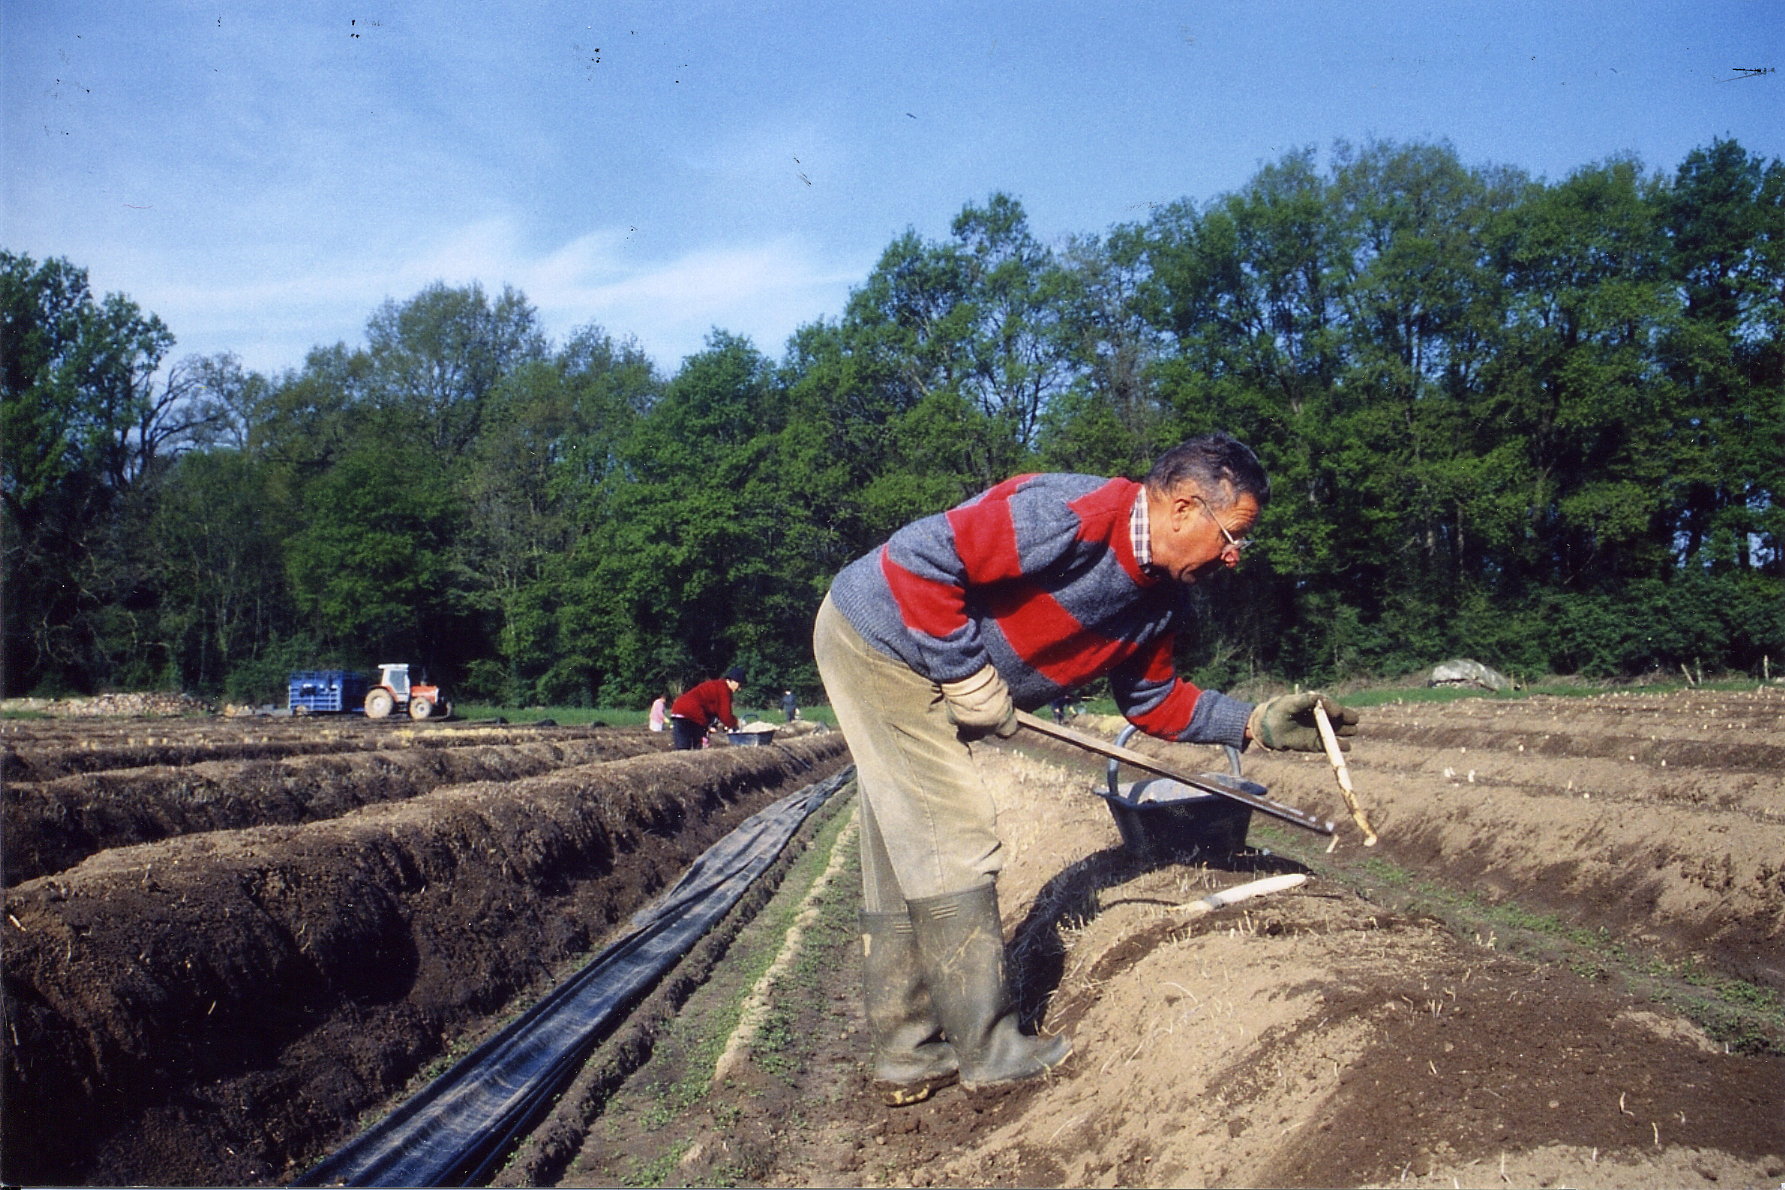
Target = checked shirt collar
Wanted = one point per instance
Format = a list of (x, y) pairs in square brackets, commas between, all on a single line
[(1140, 529)]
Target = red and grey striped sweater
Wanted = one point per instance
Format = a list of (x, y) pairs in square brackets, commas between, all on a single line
[(1038, 577)]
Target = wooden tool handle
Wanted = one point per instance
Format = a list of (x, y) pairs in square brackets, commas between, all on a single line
[(1343, 772), (1301, 818)]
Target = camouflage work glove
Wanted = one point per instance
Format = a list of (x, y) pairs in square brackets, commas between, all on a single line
[(1286, 723), (980, 705)]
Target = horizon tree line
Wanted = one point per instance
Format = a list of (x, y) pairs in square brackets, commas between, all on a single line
[(1538, 423)]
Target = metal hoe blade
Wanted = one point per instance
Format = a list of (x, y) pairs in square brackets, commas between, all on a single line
[(1264, 805)]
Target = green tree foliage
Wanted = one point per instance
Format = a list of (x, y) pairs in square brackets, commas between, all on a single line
[(1724, 226), (378, 462), (1574, 389), (1111, 418), (965, 344), (435, 359), (546, 473), (223, 598), (679, 576), (1459, 381), (1542, 423), (85, 426), (371, 567)]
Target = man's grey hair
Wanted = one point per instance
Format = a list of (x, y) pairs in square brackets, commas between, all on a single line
[(1222, 467)]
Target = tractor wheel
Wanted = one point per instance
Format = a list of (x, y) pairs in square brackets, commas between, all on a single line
[(379, 703), (420, 709)]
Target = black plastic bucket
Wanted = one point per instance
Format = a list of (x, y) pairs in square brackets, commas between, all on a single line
[(1179, 824), (1164, 821)]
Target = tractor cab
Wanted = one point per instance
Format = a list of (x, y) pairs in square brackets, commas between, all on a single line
[(394, 677)]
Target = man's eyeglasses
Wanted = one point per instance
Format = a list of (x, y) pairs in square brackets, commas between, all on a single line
[(1236, 544)]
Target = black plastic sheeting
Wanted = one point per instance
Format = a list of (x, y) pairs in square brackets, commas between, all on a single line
[(456, 1130)]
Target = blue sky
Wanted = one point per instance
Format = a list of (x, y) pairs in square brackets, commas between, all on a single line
[(263, 175)]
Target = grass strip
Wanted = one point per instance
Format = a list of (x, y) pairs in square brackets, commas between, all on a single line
[(614, 1073), (649, 1119)]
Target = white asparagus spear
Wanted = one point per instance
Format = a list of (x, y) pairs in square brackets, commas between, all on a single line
[(1343, 772), (1240, 892)]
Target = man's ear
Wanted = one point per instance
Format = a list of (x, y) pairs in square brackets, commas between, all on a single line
[(1182, 506)]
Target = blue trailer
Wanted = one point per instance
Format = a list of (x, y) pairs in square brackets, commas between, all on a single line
[(327, 691)]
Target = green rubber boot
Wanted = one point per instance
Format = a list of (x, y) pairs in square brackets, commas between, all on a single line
[(960, 943), (911, 1061)]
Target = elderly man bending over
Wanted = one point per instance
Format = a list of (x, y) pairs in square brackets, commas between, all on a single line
[(930, 643)]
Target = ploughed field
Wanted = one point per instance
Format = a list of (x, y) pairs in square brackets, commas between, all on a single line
[(1656, 818), (1562, 972), (228, 945), (225, 940)]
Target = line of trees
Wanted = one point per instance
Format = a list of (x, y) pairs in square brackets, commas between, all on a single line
[(1539, 423)]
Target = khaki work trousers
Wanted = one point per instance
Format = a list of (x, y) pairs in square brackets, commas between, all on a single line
[(929, 825)]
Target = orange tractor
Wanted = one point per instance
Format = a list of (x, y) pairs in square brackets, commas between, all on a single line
[(394, 692)]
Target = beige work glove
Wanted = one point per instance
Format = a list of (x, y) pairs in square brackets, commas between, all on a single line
[(1287, 722), (980, 705)]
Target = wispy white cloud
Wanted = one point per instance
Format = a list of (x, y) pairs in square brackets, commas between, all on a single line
[(763, 290)]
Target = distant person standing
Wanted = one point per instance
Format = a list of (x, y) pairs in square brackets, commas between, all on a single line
[(691, 715), (659, 713), (790, 706)]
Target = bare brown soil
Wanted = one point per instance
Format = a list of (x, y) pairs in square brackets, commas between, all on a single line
[(219, 1008), (54, 824), (40, 750), (1487, 998), (1336, 1034), (1657, 818)]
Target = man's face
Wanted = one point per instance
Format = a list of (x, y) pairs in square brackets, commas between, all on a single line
[(1193, 537)]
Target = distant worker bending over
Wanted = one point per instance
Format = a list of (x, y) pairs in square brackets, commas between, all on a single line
[(693, 714), (931, 642)]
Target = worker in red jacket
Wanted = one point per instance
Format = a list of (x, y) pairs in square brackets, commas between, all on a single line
[(691, 715), (929, 644)]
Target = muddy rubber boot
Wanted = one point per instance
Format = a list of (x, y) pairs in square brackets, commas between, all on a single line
[(961, 945), (911, 1061)]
